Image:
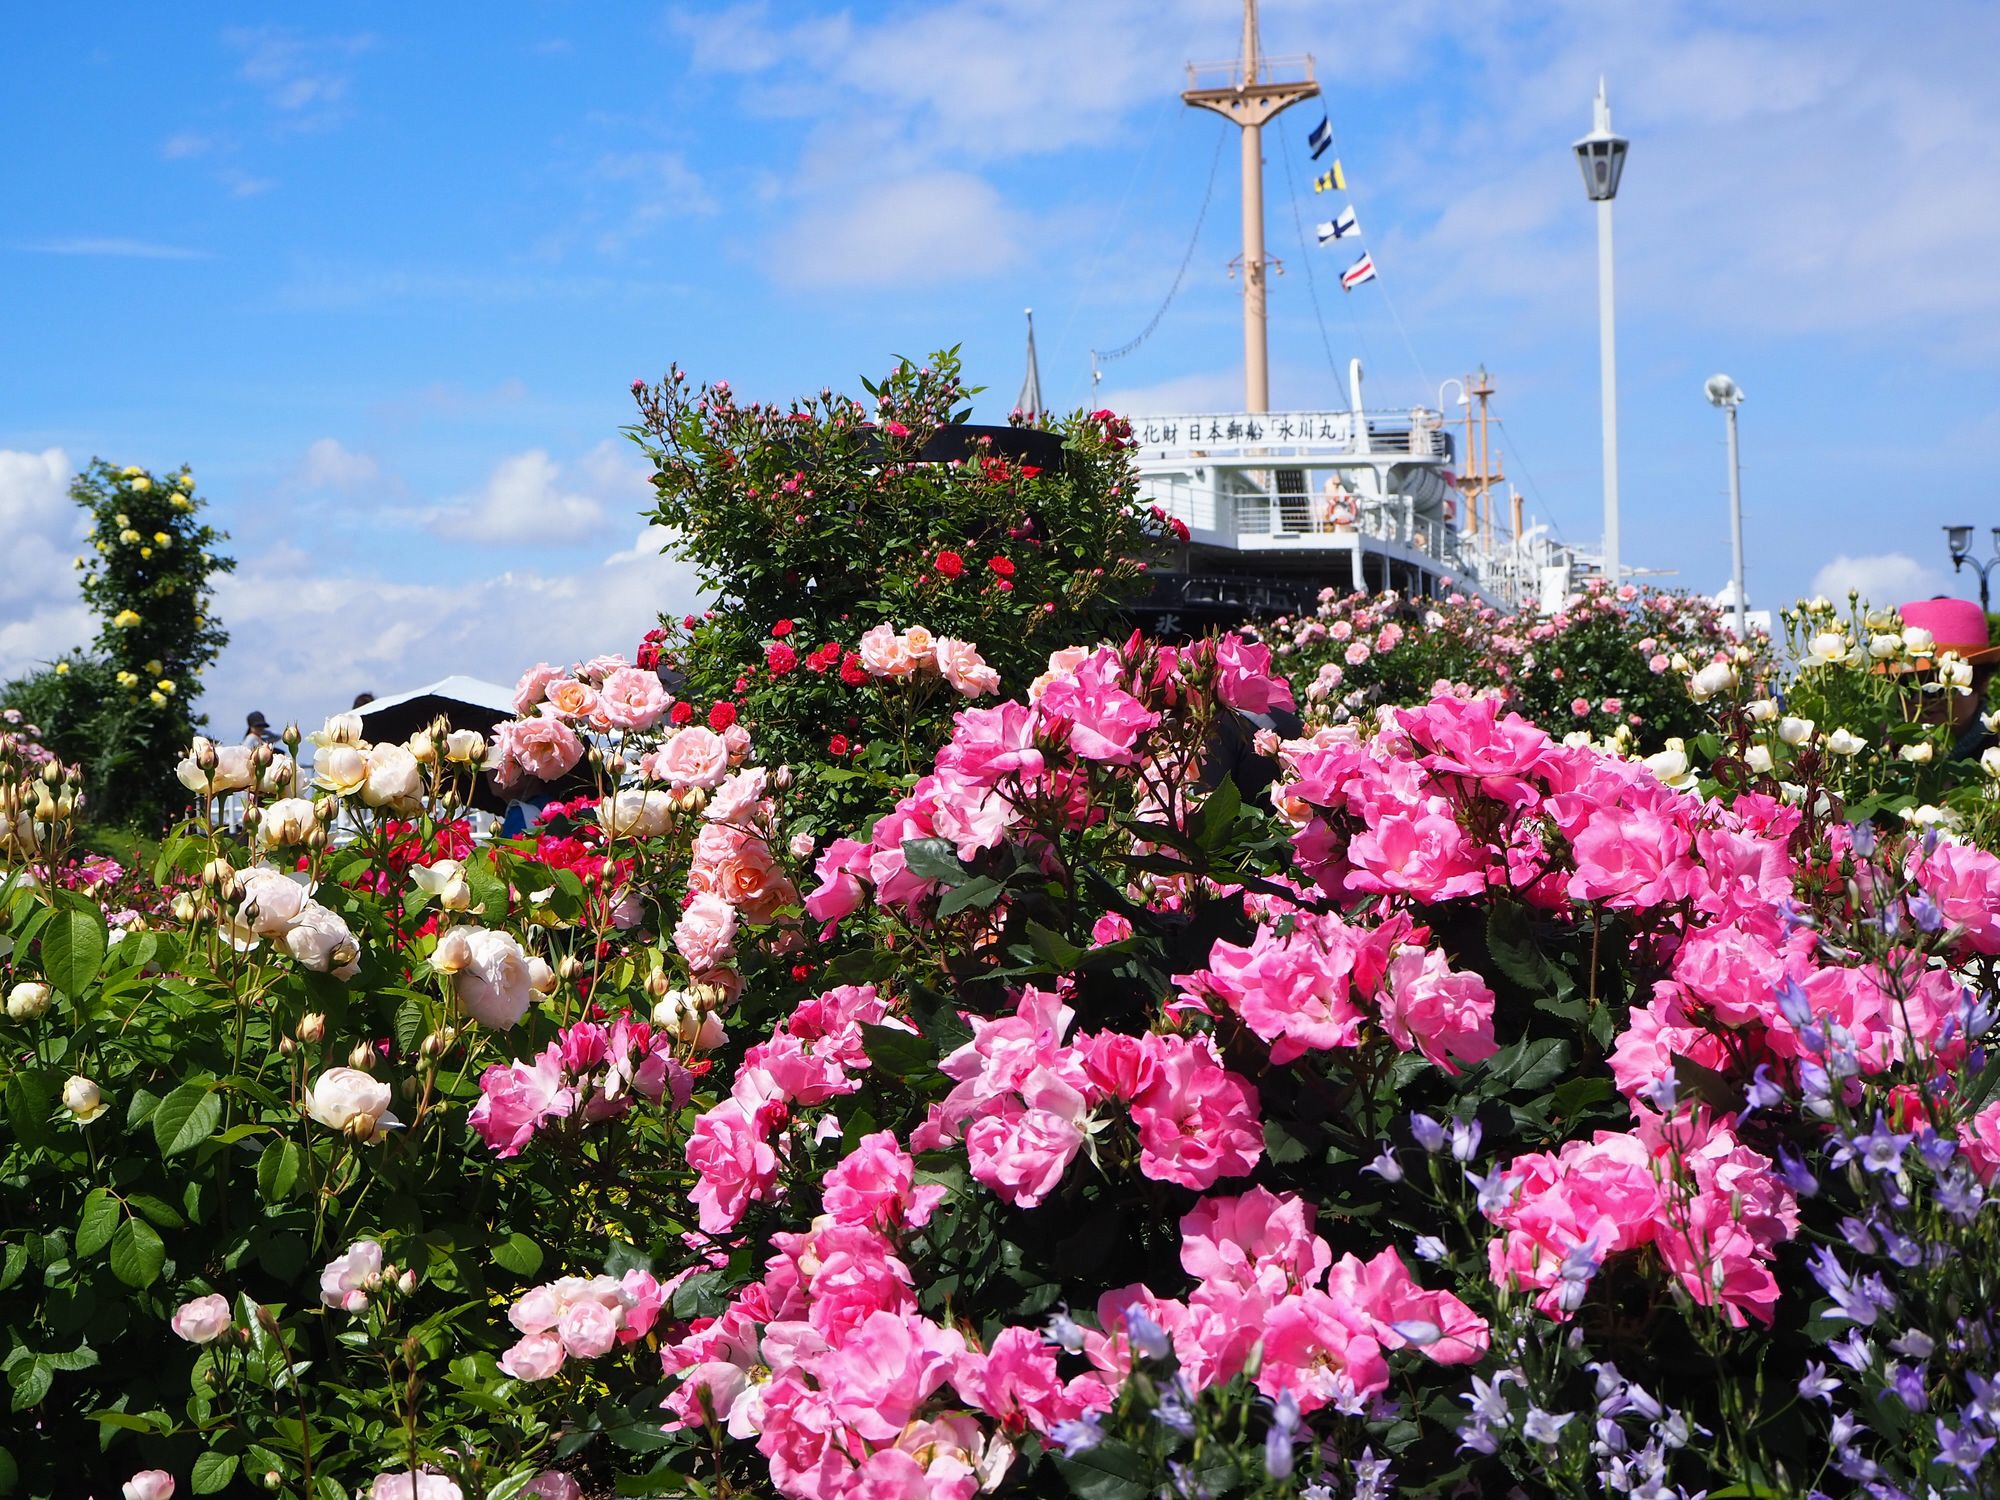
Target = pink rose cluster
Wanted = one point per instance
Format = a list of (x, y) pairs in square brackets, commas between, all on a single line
[(900, 655), (1317, 987), (590, 1073), (1025, 1103), (733, 856), (697, 757), (556, 707), (1714, 1209), (811, 1058), (1262, 1277), (580, 1317), (1090, 706)]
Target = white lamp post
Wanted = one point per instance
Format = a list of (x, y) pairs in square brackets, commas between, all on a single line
[(1602, 157), (1727, 394)]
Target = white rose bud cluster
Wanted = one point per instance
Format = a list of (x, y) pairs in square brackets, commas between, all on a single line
[(1715, 678), (690, 1016)]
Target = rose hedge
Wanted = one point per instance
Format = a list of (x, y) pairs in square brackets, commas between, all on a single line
[(1438, 1105)]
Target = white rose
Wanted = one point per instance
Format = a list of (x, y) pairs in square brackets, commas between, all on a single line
[(1917, 640), (1794, 731), (466, 747), (1761, 710), (1884, 646), (1989, 762), (289, 820), (644, 814), (350, 1101), (321, 941), (83, 1098), (29, 999), (341, 768), (1826, 648), (395, 781), (444, 882), (1918, 754), (271, 903), (1758, 759), (1842, 742), (1955, 671), (496, 983), (341, 729), (1716, 677), (1670, 765)]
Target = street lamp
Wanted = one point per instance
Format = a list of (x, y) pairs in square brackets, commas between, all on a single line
[(1727, 394), (1602, 157), (1959, 539)]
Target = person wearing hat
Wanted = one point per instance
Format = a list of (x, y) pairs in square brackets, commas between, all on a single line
[(1958, 626), (258, 730)]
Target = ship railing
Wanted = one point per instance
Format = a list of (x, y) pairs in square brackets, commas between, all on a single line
[(1206, 76)]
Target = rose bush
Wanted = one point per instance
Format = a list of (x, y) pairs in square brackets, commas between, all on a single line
[(1077, 1090)]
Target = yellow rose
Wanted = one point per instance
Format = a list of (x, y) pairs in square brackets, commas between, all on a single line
[(142, 484), (130, 471), (62, 669), (182, 502), (145, 552), (125, 619), (165, 684), (158, 700)]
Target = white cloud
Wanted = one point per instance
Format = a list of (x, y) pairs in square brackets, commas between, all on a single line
[(1882, 578), (304, 642), (113, 245), (526, 499), (331, 465), (41, 613), (932, 226), (303, 77), (1212, 390), (186, 143)]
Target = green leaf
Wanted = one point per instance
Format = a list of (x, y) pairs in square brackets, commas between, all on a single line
[(278, 1169), (934, 859), (186, 1117), (1511, 941), (1217, 815), (980, 891), (157, 1210), (1110, 1471), (409, 1026), (98, 1220), (895, 1053), (10, 1473), (1526, 1066), (518, 1253), (212, 1472), (1056, 950), (73, 949), (137, 1254), (31, 1380)]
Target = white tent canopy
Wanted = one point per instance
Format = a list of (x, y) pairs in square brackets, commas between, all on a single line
[(472, 690)]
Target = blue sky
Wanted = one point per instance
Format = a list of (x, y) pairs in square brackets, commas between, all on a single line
[(383, 274)]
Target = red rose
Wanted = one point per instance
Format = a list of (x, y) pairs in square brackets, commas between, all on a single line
[(780, 659), (681, 713), (689, 622), (837, 745), (721, 716), (851, 671), (782, 629), (950, 564), (801, 972), (1003, 566)]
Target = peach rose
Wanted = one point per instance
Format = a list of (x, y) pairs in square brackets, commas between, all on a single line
[(885, 653), (964, 668), (572, 699), (394, 780), (632, 698), (534, 686)]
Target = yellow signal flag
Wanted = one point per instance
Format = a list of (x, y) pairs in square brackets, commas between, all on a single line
[(1334, 181)]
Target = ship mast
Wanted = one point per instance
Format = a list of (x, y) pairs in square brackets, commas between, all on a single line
[(1249, 98)]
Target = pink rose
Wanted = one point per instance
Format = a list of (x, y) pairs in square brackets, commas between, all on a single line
[(588, 1329), (351, 1275), (543, 747), (875, 1185), (150, 1484), (532, 687), (535, 1357), (204, 1320), (1244, 679), (964, 668), (551, 1484), (632, 698), (695, 757), (841, 871), (516, 1099), (706, 932), (885, 653)]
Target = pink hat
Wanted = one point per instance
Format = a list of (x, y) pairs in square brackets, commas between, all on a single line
[(1956, 625)]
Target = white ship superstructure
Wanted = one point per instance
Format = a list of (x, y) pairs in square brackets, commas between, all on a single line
[(1280, 505)]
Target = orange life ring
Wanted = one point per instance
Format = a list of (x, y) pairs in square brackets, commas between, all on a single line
[(1342, 512)]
